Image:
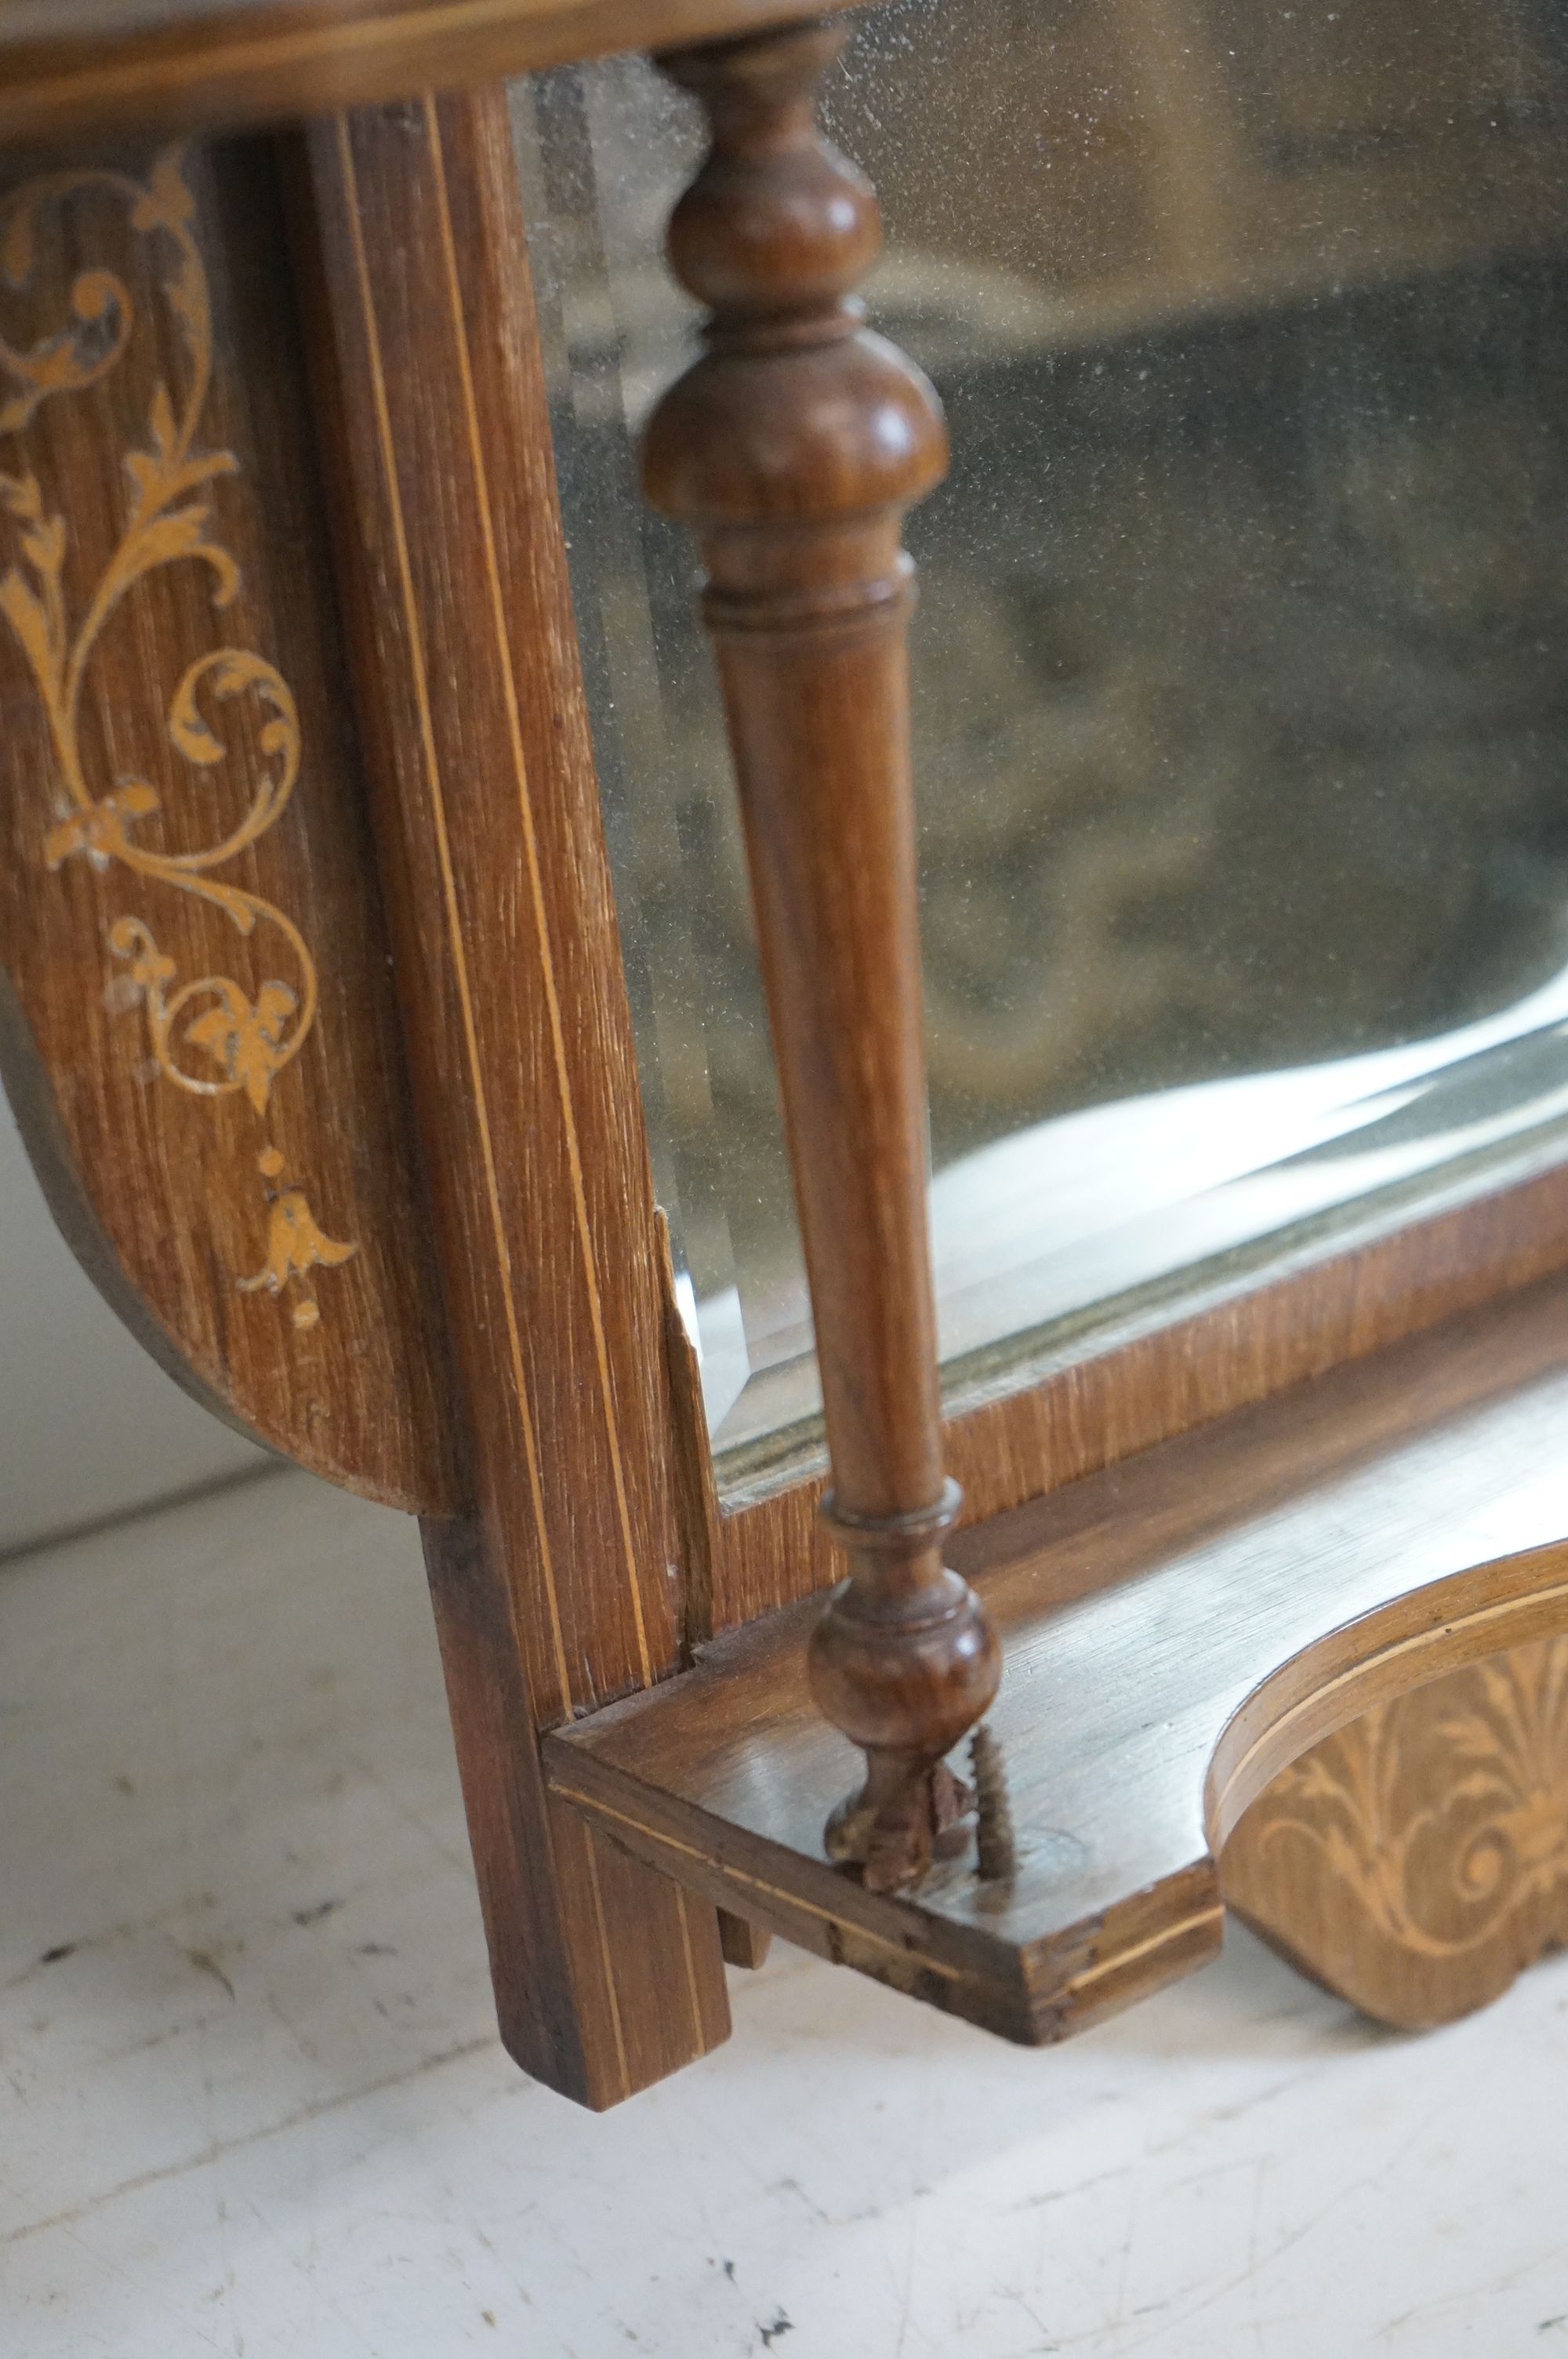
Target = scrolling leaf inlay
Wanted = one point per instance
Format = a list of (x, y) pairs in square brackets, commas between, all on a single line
[(238, 1045), (1443, 1844)]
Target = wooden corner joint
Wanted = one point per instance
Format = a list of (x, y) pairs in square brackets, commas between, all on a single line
[(792, 448)]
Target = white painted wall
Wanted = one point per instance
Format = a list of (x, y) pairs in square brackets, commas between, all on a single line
[(89, 1425)]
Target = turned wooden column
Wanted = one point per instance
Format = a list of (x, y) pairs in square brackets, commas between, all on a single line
[(792, 448)]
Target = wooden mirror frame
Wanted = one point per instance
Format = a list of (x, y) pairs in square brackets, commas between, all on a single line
[(646, 1775)]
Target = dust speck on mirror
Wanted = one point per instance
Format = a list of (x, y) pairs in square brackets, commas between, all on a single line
[(1240, 730)]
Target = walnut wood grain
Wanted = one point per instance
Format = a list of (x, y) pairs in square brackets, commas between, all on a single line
[(1391, 1270), (793, 447), (744, 1944), (485, 814), (72, 66), (1417, 1861), (200, 1036), (1177, 1630), (607, 1976)]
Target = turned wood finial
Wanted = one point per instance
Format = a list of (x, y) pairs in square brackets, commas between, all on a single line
[(792, 448), (796, 416)]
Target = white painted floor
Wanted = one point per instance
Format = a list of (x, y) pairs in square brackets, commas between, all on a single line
[(253, 2104)]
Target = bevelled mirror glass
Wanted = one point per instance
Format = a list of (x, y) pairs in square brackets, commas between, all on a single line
[(1241, 730)]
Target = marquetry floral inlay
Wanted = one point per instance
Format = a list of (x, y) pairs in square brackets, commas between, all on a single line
[(1445, 1825), (208, 1036)]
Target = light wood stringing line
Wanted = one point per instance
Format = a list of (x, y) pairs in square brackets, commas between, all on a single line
[(536, 887), (1161, 1939), (1151, 1942), (1357, 1675), (690, 1966), (594, 1808), (459, 965), (609, 1971)]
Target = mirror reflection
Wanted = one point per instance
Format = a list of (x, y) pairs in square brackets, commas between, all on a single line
[(1241, 724)]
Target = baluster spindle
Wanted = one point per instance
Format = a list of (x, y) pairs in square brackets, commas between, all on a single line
[(792, 448)]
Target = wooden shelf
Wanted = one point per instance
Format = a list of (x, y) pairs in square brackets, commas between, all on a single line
[(1176, 1630), (74, 67)]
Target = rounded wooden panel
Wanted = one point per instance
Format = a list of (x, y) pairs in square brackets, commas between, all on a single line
[(198, 1035), (1417, 1860)]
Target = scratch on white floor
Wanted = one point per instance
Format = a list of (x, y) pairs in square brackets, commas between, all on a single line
[(76, 2214), (260, 2078)]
